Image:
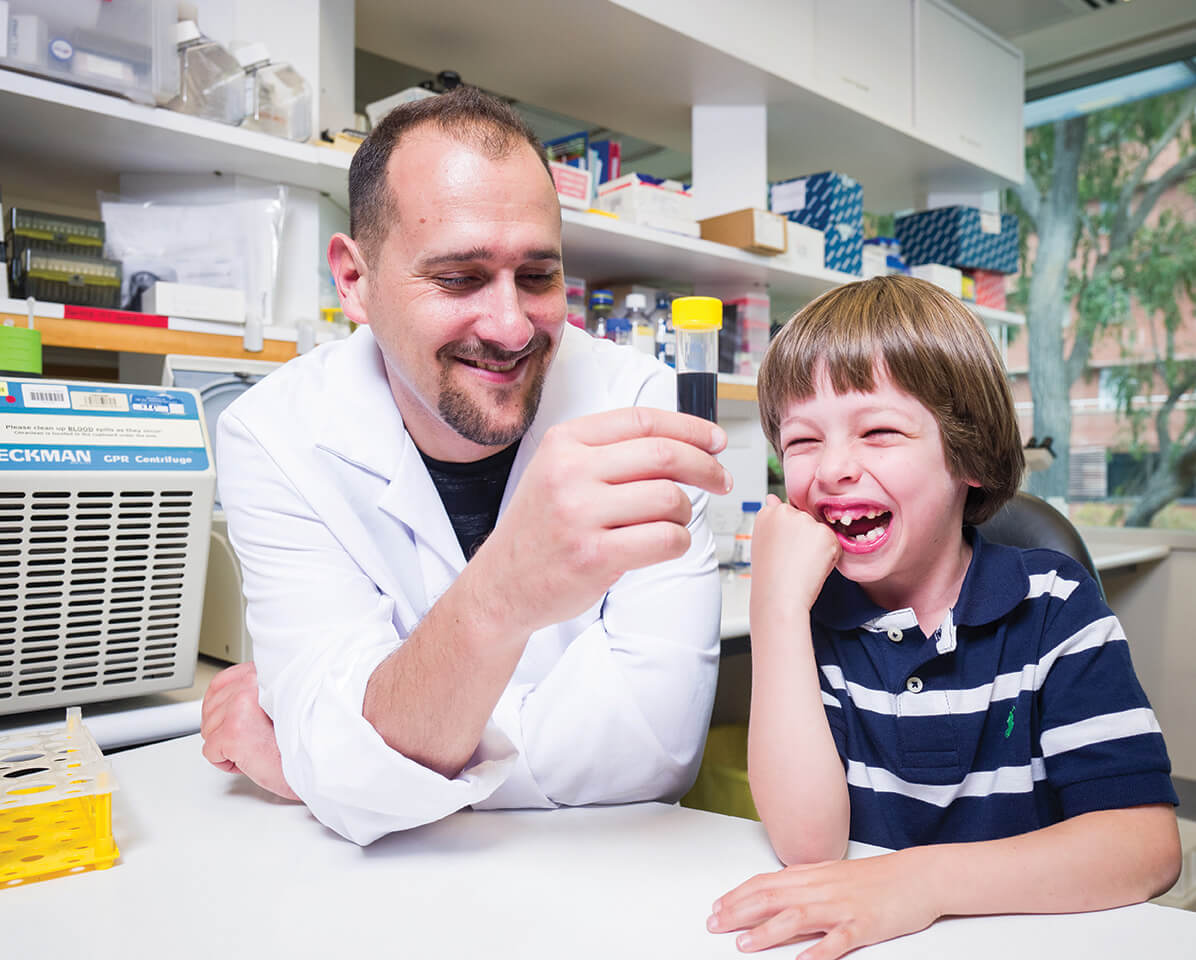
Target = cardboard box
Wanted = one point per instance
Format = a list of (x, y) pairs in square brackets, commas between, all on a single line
[(960, 237), (844, 248), (949, 278), (990, 288), (818, 200), (194, 302), (757, 231), (572, 185), (663, 204), (805, 247)]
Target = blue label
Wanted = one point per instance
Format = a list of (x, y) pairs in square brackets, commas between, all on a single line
[(44, 456), (61, 49), (48, 425)]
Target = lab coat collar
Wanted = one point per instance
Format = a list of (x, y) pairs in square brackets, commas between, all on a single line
[(368, 433), (365, 428)]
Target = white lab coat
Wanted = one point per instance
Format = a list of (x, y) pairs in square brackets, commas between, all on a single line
[(344, 545)]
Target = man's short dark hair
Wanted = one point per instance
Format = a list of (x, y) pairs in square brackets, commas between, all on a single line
[(465, 113)]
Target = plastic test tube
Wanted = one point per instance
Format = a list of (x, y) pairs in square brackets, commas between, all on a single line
[(697, 321)]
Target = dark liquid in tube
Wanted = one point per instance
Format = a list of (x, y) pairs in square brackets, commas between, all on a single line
[(697, 393)]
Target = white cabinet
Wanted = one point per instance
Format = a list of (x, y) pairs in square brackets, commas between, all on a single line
[(774, 35), (863, 56), (968, 89)]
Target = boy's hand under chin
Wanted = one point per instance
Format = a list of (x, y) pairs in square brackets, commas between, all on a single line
[(792, 555)]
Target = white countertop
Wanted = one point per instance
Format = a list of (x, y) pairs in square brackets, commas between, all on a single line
[(1116, 556), (210, 867)]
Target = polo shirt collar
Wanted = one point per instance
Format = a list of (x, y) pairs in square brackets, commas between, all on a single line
[(995, 583)]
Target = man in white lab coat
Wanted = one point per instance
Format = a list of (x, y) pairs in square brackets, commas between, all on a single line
[(472, 576)]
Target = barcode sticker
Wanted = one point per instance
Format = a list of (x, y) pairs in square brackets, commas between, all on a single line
[(97, 400), (46, 395)]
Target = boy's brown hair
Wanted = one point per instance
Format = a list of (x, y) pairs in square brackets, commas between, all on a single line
[(932, 347)]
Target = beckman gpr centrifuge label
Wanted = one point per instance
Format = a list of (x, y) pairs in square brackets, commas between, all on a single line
[(59, 426)]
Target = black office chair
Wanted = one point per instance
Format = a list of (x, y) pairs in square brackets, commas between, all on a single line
[(1028, 521)]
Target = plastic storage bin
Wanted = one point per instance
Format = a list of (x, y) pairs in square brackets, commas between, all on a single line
[(722, 784), (55, 804), (121, 46), (66, 278)]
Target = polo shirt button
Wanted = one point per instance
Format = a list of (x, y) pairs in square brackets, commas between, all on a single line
[(895, 635), (914, 685)]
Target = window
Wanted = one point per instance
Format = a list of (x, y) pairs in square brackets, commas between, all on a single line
[(1110, 203)]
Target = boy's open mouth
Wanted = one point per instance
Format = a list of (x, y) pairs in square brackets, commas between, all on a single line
[(857, 526)]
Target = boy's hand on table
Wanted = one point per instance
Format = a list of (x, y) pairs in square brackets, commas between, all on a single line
[(853, 902), (238, 735), (792, 555)]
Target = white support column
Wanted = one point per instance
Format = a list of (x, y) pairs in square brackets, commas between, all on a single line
[(730, 158)]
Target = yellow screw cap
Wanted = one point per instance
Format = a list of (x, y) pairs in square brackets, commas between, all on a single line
[(698, 313)]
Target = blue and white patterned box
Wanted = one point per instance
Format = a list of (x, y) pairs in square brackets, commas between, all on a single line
[(818, 200), (844, 248), (960, 237)]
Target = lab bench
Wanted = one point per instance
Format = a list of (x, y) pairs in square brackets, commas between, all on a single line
[(210, 864)]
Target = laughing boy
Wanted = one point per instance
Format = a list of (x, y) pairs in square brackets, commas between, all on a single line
[(969, 706)]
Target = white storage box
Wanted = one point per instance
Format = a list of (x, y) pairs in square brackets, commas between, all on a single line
[(121, 46), (949, 278), (805, 247), (194, 302), (665, 205)]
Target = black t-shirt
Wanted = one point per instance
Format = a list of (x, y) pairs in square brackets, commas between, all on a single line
[(472, 493)]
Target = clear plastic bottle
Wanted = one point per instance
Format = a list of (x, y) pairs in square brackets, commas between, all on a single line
[(602, 305), (741, 555), (277, 99), (618, 329), (665, 337), (211, 82), (643, 335)]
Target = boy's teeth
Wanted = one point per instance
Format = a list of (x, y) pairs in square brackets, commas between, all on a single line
[(848, 518)]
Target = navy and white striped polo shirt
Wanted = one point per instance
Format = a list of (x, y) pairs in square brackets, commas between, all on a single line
[(1020, 711)]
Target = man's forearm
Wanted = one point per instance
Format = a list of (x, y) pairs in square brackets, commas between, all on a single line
[(796, 775), (1094, 861), (431, 699)]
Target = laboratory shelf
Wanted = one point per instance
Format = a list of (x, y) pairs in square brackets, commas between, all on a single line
[(57, 331), (991, 315), (60, 127), (601, 248), (649, 88)]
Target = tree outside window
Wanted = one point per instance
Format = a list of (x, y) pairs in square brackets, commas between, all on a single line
[(1108, 358)]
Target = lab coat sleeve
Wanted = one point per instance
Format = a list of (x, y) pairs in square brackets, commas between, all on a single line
[(320, 627), (623, 714)]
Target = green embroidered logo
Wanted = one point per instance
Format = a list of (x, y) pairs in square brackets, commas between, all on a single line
[(1009, 722)]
